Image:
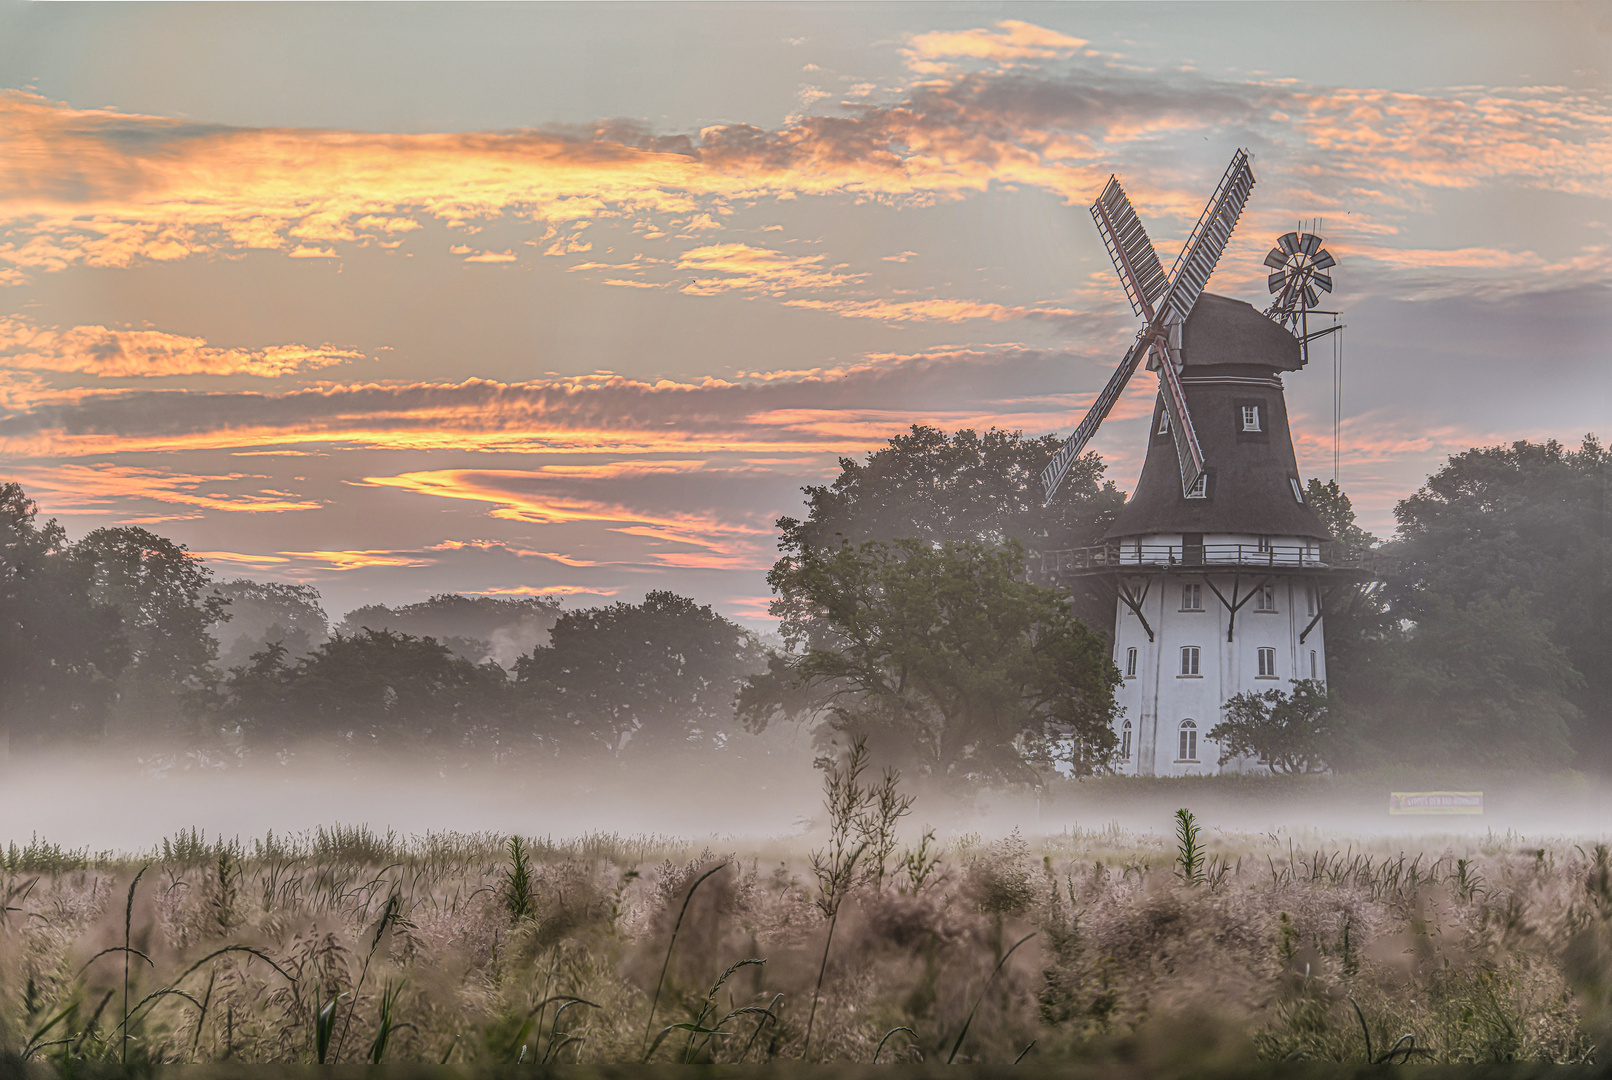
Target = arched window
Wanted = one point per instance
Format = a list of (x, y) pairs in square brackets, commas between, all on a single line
[(1125, 742), (1189, 741)]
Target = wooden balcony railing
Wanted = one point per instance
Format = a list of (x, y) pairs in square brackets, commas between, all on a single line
[(1231, 556)]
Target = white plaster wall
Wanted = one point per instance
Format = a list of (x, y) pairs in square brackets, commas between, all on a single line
[(1157, 698)]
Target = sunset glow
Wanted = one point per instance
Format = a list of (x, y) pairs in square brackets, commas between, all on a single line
[(459, 344)]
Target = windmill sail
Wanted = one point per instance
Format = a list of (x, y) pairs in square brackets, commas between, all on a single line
[(1208, 239), (1187, 449), (1126, 240), (1145, 286), (1058, 468)]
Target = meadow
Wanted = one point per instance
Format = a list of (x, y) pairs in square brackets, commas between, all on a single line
[(1183, 943)]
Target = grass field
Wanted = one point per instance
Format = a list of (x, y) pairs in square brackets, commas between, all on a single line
[(348, 945)]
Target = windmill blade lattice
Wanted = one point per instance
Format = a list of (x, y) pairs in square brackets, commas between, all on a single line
[(1165, 301)]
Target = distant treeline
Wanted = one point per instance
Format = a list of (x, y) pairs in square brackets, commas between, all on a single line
[(910, 613)]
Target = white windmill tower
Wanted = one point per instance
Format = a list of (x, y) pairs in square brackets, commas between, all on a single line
[(1216, 556)]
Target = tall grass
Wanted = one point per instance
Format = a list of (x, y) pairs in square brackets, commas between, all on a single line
[(346, 944)]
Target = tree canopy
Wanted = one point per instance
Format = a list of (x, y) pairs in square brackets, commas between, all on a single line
[(942, 655), (61, 648), (477, 628), (1286, 731), (963, 487), (261, 612), (1531, 521), (639, 677)]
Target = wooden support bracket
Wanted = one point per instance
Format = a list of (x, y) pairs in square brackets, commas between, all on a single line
[(1134, 601)]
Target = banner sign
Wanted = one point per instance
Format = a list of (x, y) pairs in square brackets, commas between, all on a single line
[(1435, 802)]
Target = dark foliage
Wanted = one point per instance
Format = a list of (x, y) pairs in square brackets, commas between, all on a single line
[(639, 677), (374, 685), (61, 650), (944, 657), (165, 599), (476, 628), (963, 487), (1285, 731), (262, 612), (1530, 519)]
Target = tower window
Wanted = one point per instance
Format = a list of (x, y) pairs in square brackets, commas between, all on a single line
[(1125, 742), (1250, 417), (1265, 598), (1309, 599), (1130, 663), (1200, 488), (1192, 598), (1267, 663), (1312, 663), (1189, 660), (1298, 491), (1189, 741), (1264, 544)]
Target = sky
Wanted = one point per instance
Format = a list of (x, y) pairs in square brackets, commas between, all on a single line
[(572, 299)]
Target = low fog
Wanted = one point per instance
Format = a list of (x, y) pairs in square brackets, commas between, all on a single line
[(108, 802)]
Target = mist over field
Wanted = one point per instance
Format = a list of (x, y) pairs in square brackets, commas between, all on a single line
[(104, 802)]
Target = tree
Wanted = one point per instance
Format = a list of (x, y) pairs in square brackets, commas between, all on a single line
[(375, 687), (477, 628), (640, 677), (941, 654), (164, 597), (1530, 519), (961, 487), (1331, 504), (60, 650), (261, 612), (964, 487), (1285, 732), (1474, 684), (1361, 624)]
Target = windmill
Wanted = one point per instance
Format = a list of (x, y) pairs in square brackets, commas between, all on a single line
[(1216, 557), (1165, 302), (1296, 282)]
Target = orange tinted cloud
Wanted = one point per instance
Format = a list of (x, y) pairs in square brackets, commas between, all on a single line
[(1011, 40), (514, 499), (103, 188), (754, 269), (546, 590), (1538, 137), (930, 310), (358, 560), (88, 488), (97, 350)]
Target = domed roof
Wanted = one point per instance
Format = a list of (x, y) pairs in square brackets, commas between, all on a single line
[(1232, 360), (1221, 330)]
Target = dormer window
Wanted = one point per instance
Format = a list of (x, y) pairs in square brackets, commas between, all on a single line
[(1199, 490), (1298, 492), (1251, 418), (1164, 421)]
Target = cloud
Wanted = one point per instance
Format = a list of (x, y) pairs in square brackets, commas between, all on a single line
[(604, 415), (90, 489), (754, 269), (357, 560), (104, 188), (930, 310), (126, 353), (546, 590), (517, 495), (1012, 40)]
